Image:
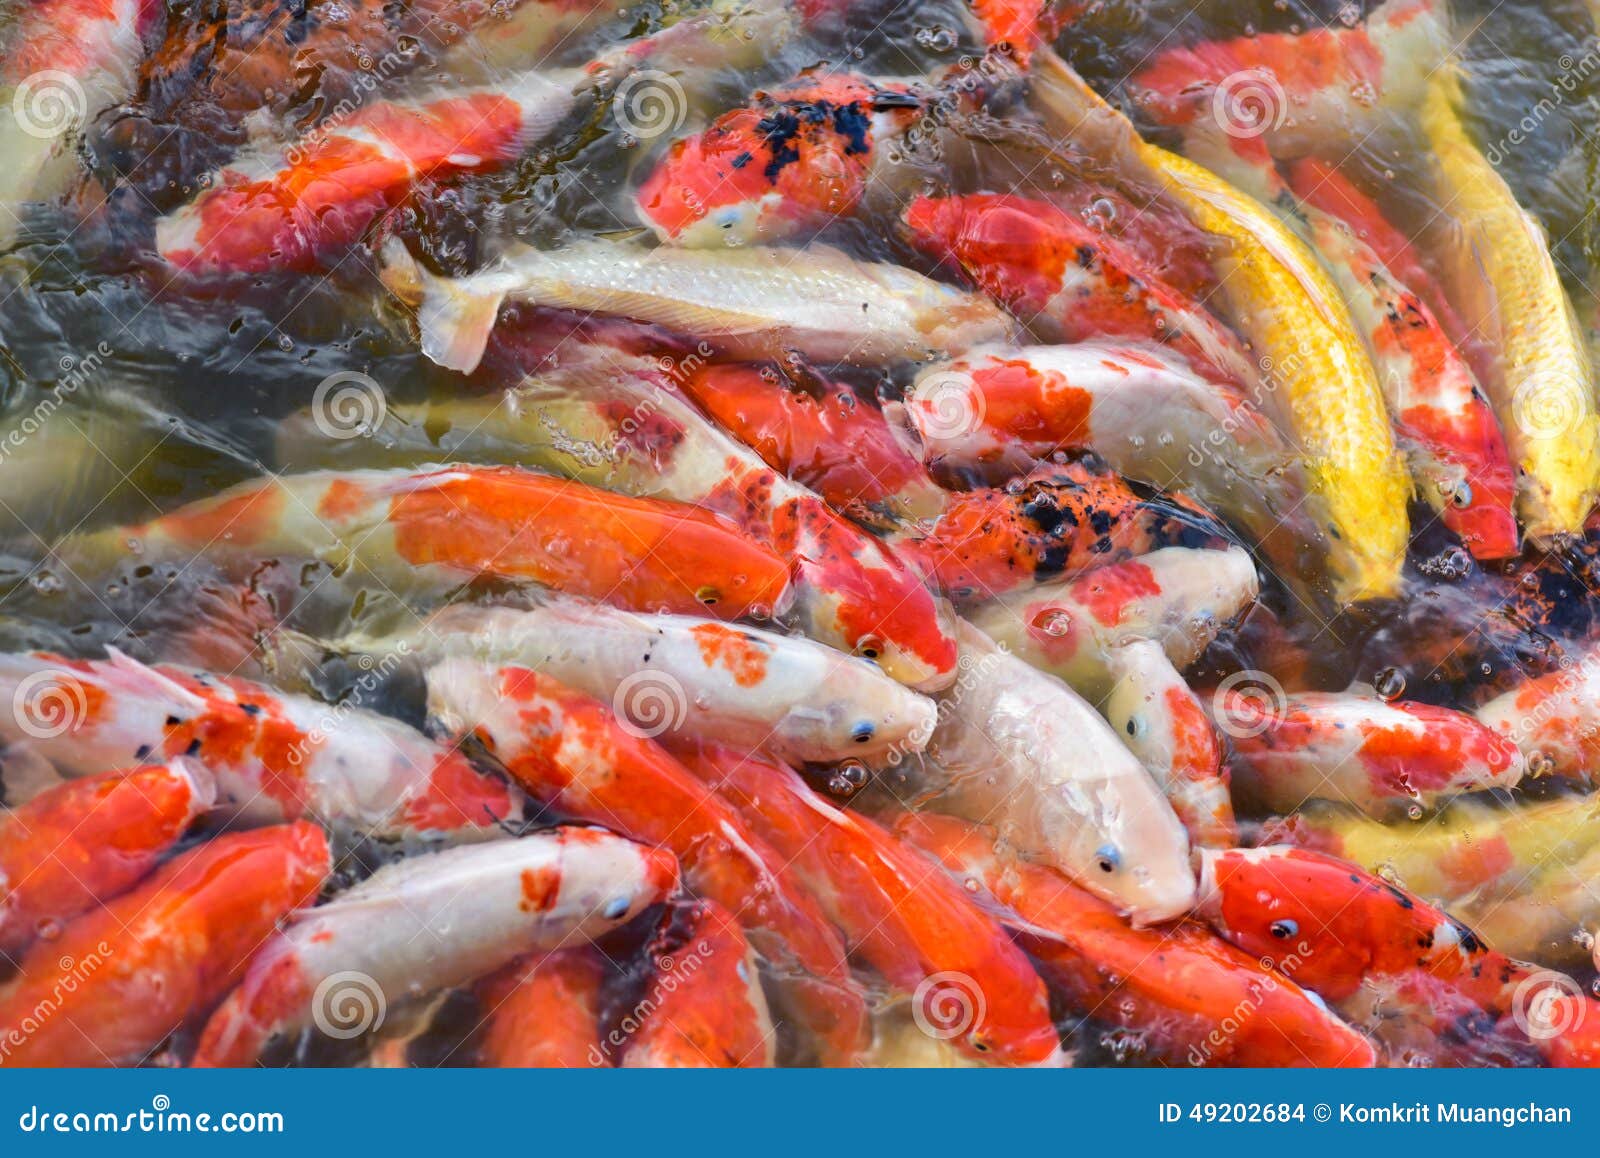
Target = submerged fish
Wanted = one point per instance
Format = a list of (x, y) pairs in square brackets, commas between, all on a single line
[(1315, 365), (750, 302), (290, 207), (1019, 749)]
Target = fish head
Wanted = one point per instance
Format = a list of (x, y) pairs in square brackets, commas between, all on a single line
[(1135, 853), (1323, 921)]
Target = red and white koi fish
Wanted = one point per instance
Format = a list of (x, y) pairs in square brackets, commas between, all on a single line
[(830, 441), (750, 303), (714, 1016), (443, 527), (1554, 720), (615, 421), (1069, 282), (121, 978), (793, 159), (1164, 724), (1419, 979), (1059, 520), (274, 756), (910, 922), (292, 208), (433, 922), (65, 61), (543, 1012), (572, 753), (1021, 750), (81, 843), (1300, 91), (1177, 596), (685, 677), (1170, 988), (1148, 414), (1358, 749)]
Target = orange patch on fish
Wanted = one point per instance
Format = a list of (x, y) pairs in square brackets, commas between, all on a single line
[(744, 656)]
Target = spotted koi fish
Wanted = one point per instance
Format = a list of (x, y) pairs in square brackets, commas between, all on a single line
[(573, 754), (161, 954), (911, 924), (1421, 981), (77, 845), (293, 208), (273, 756), (439, 528), (495, 901), (1554, 720), (1170, 987), (1358, 749)]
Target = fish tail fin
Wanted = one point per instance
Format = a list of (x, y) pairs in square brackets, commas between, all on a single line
[(454, 317)]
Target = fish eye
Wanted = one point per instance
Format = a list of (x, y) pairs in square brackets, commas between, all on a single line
[(868, 647), (1107, 858), (1462, 495), (708, 595), (1134, 727), (1284, 929), (862, 732), (979, 1044)]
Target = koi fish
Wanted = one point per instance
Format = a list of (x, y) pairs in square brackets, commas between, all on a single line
[(1170, 987), (682, 676), (573, 754), (1542, 386), (1180, 597), (612, 423), (1384, 957), (86, 841), (432, 922), (289, 208), (1056, 521), (1164, 724), (794, 158), (751, 303), (543, 1012), (713, 1017), (1150, 416), (65, 61), (1021, 750), (149, 960), (1068, 282), (274, 757), (1285, 305), (1554, 719), (830, 441), (911, 924), (1358, 749), (1300, 91), (439, 528)]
